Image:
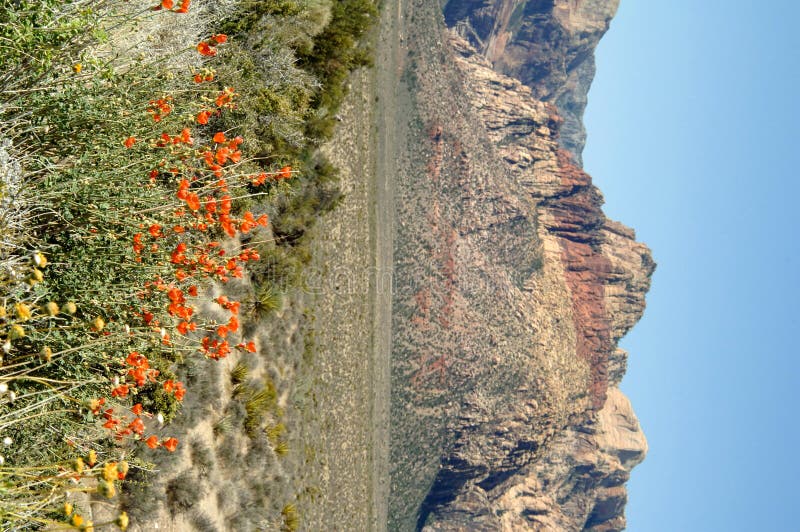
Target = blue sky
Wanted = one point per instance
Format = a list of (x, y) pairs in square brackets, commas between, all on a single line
[(693, 132)]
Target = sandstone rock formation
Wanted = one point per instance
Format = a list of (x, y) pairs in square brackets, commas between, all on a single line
[(513, 289), (547, 44)]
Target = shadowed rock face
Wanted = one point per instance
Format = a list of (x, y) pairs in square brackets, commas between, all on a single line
[(547, 44)]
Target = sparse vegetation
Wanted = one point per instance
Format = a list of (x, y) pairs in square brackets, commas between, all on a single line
[(126, 159)]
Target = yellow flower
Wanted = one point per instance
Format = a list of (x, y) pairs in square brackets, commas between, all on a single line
[(16, 332), (98, 324), (88, 527), (92, 458), (67, 509), (110, 471), (70, 308), (122, 521), (39, 259), (51, 308), (36, 277), (23, 311), (46, 354), (76, 520), (3, 312), (106, 489), (77, 67), (78, 465)]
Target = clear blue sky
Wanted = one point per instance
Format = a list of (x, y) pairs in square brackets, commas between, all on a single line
[(693, 139)]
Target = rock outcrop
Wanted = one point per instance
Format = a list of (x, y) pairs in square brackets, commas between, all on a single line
[(547, 44), (512, 291)]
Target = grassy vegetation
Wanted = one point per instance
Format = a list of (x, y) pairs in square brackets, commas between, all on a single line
[(136, 146)]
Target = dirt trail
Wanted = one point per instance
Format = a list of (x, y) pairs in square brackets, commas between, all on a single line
[(389, 54), (346, 431)]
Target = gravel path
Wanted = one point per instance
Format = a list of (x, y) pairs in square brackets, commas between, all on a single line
[(346, 474)]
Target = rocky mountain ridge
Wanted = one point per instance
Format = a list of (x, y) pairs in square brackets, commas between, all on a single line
[(513, 291), (577, 482), (547, 44)]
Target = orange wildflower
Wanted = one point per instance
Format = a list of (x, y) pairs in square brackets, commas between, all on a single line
[(205, 49), (225, 97), (285, 172), (220, 38), (186, 137), (155, 231), (120, 391), (137, 426), (222, 155), (225, 204), (193, 202), (184, 7), (137, 360), (137, 409), (203, 116), (198, 78), (152, 441), (167, 4), (138, 247), (129, 142), (170, 444), (183, 190), (219, 137)]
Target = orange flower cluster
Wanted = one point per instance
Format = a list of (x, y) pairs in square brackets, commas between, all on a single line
[(185, 137), (160, 108), (170, 5), (260, 179), (204, 208), (169, 444), (209, 48), (206, 75), (176, 388)]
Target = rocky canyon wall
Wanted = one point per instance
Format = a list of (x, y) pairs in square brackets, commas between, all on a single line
[(513, 288)]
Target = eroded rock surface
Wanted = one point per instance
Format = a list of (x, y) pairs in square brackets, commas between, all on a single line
[(512, 290), (547, 44)]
